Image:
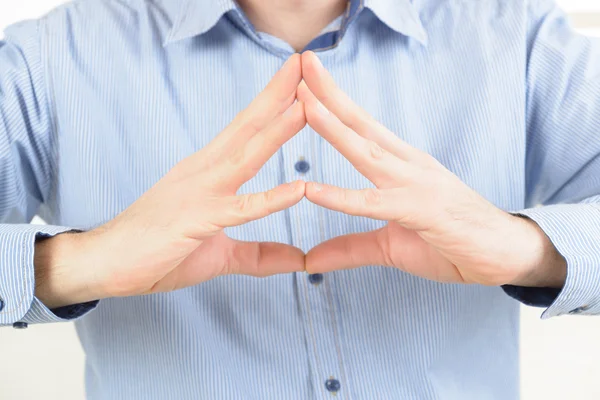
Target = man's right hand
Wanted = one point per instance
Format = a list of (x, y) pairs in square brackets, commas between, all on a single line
[(172, 236)]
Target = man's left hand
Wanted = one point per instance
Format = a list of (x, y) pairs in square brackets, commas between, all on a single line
[(438, 228)]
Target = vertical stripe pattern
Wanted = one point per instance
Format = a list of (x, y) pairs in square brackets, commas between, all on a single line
[(100, 98)]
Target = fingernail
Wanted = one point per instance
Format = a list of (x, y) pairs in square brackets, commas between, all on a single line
[(322, 109), (317, 187)]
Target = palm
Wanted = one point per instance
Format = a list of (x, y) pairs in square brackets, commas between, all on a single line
[(221, 255), (207, 260), (410, 253)]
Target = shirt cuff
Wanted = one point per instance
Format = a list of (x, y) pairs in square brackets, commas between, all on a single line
[(574, 230), (17, 278)]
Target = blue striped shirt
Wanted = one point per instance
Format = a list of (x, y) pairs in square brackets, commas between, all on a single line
[(100, 98)]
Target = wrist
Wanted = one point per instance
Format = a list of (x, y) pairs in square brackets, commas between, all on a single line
[(542, 265), (61, 275)]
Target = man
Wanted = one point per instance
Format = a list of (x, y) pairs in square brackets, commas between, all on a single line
[(385, 185)]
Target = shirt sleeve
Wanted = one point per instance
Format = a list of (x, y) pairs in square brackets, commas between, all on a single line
[(563, 157), (26, 175)]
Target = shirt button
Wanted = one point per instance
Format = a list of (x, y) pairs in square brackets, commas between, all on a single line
[(20, 325), (579, 310), (332, 385), (302, 166), (315, 279), (1, 304)]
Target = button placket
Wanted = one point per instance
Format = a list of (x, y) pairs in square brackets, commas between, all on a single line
[(306, 232), (329, 310)]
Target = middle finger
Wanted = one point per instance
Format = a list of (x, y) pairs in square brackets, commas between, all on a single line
[(376, 164)]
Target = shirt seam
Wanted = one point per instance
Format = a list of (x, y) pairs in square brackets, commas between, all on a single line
[(41, 30), (308, 310), (39, 59), (328, 286)]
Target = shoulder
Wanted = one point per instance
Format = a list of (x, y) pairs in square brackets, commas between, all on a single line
[(87, 19), (476, 8)]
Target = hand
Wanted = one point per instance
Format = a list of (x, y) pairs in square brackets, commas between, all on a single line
[(172, 237), (438, 228)]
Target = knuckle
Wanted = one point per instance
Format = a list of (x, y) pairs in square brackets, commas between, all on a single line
[(428, 161), (269, 197), (355, 120), (342, 196), (210, 157), (251, 127), (372, 196), (384, 243), (359, 118), (243, 204), (233, 264), (237, 155), (375, 150), (328, 93), (255, 205), (230, 266), (269, 140)]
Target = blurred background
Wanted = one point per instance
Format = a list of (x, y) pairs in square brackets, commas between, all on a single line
[(560, 358)]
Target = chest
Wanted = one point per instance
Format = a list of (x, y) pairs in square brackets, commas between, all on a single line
[(128, 128)]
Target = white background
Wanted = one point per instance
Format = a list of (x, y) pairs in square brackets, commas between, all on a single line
[(560, 358)]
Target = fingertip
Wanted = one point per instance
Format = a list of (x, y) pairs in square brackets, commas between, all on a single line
[(309, 268), (311, 68), (296, 190), (302, 187), (294, 185), (309, 58), (278, 258), (313, 190), (293, 61), (315, 262), (311, 185), (305, 55), (293, 67), (308, 68)]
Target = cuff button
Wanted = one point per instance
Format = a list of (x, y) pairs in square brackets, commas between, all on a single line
[(579, 310)]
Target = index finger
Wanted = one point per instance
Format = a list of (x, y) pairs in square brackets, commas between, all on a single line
[(322, 85), (278, 96)]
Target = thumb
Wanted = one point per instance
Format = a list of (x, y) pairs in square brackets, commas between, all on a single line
[(249, 207)]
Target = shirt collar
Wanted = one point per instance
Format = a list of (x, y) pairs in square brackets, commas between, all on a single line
[(195, 17), (399, 15)]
